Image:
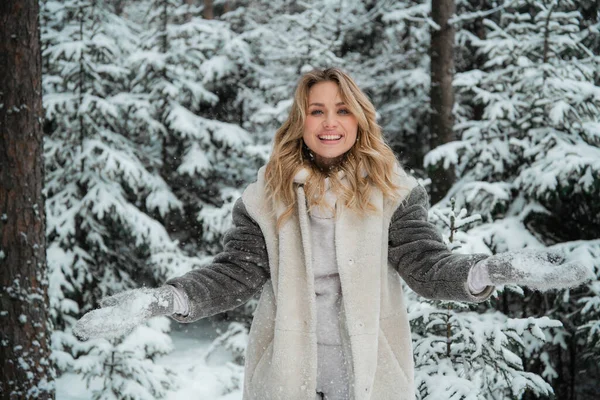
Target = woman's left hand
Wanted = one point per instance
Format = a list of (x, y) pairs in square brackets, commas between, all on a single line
[(537, 269)]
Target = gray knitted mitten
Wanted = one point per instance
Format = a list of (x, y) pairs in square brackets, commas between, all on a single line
[(121, 313), (536, 269)]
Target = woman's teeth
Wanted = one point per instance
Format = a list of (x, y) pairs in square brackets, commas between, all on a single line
[(330, 137)]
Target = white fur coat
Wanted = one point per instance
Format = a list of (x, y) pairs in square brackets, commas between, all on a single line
[(281, 358)]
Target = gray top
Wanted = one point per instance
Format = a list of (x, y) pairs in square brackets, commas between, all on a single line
[(328, 287)]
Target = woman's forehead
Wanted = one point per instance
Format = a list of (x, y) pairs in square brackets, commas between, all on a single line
[(327, 90)]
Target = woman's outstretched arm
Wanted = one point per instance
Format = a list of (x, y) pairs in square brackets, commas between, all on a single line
[(417, 251), (234, 276)]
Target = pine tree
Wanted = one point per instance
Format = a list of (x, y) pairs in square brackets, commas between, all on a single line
[(101, 190), (529, 160), (466, 351), (194, 73), (190, 70)]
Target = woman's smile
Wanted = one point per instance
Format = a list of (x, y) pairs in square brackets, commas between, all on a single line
[(330, 138)]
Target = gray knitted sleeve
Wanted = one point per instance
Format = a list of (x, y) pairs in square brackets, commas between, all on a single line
[(417, 251), (234, 276)]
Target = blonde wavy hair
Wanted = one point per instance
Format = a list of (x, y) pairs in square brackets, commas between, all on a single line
[(369, 163)]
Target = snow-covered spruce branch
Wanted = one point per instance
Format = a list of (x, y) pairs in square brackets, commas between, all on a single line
[(480, 14)]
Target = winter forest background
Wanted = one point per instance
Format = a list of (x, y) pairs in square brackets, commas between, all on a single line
[(159, 112)]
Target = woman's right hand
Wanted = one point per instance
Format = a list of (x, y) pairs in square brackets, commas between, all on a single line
[(121, 313)]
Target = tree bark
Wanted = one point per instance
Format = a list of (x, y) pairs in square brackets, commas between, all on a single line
[(24, 352), (441, 93), (208, 9)]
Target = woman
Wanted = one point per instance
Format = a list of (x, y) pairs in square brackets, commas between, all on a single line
[(326, 232)]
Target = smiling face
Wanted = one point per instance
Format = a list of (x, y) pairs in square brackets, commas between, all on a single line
[(330, 128)]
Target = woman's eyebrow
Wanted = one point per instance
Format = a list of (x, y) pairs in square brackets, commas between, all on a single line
[(341, 103)]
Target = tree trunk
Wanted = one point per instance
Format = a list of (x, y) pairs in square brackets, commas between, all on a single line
[(478, 29), (208, 9), (24, 353), (441, 94)]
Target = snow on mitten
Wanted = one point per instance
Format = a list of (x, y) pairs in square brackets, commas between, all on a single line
[(536, 269), (121, 313)]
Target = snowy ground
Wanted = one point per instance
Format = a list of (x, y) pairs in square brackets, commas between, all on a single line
[(198, 379)]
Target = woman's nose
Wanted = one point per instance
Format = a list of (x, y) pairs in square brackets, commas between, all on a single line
[(330, 121)]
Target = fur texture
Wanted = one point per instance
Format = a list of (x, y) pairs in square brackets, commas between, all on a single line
[(417, 250), (235, 275)]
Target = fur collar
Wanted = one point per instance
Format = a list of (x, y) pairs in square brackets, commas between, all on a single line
[(326, 211)]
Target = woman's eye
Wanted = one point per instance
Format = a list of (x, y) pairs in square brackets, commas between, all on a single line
[(316, 112), (343, 111)]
